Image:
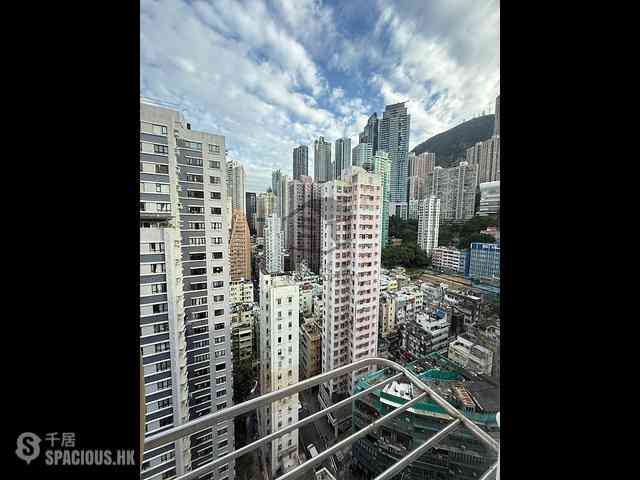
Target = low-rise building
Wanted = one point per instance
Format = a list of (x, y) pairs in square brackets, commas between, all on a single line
[(468, 353), (451, 259), (429, 333)]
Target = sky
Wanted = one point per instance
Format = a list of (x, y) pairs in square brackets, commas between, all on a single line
[(270, 75)]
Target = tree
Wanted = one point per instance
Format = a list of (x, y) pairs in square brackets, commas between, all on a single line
[(465, 242)]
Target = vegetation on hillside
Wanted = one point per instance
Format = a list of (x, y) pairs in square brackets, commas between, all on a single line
[(450, 146)]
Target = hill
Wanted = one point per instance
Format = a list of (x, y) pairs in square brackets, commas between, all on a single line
[(450, 146)]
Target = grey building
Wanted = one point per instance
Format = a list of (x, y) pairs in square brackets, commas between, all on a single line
[(371, 133), (300, 162), (496, 127), (322, 169), (361, 155), (456, 189), (394, 139), (489, 198), (342, 155), (184, 282), (250, 210)]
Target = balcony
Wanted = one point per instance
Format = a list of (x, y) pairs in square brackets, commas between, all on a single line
[(457, 421)]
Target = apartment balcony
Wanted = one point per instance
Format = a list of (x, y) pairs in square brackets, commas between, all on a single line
[(155, 215), (457, 421)]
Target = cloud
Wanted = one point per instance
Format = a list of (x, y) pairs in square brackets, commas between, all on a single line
[(270, 75)]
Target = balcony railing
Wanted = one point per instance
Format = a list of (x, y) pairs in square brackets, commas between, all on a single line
[(459, 420)]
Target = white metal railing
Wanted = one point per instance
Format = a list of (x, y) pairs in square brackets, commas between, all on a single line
[(460, 420)]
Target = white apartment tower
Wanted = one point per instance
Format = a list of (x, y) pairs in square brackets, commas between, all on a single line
[(279, 354), (273, 244), (428, 223), (184, 288), (351, 254), (237, 177)]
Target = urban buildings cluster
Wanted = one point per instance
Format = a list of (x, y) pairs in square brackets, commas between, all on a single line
[(289, 283)]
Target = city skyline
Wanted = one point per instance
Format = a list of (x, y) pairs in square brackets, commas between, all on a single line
[(285, 86)]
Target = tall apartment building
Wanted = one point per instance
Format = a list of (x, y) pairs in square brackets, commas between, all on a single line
[(276, 175), (240, 247), (236, 191), (371, 133), (303, 223), (361, 154), (241, 291), (473, 154), (283, 206), (322, 169), (416, 188), (489, 198), (279, 354), (184, 316), (310, 348), (265, 206), (342, 156), (380, 164), (250, 210), (456, 189), (351, 238), (242, 339), (394, 139), (489, 164), (428, 223), (300, 162), (273, 245), (421, 165), (484, 261)]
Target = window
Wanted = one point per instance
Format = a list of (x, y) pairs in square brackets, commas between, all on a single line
[(199, 286), (223, 468), (162, 347), (161, 327), (215, 196), (195, 194), (162, 169), (160, 149), (196, 162), (218, 354), (194, 178), (201, 358), (221, 393), (201, 372), (223, 443), (218, 298), (198, 330), (214, 148), (216, 240), (217, 284), (216, 313), (216, 210), (197, 256), (218, 340), (217, 255), (214, 164), (200, 343), (164, 403), (218, 326), (199, 301), (222, 405), (195, 225), (220, 367), (214, 180), (221, 381), (196, 241), (216, 225)]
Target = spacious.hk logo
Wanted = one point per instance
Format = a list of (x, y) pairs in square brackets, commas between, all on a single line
[(63, 451)]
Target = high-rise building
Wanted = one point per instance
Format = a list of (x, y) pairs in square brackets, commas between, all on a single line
[(300, 161), (342, 156), (417, 188), (322, 170), (279, 358), (351, 206), (310, 348), (496, 126), (265, 206), (250, 210), (276, 176), (428, 223), (489, 164), (473, 154), (489, 198), (303, 223), (394, 139), (237, 177), (283, 207), (273, 244), (456, 189), (371, 133), (421, 165), (361, 154), (240, 247), (183, 294), (379, 164)]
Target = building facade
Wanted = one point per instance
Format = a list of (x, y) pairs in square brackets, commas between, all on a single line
[(279, 355), (342, 154), (422, 164), (250, 211), (394, 139), (351, 239), (241, 291), (322, 166), (484, 261), (456, 189), (310, 349), (300, 162), (266, 205), (428, 223), (183, 291), (240, 247), (489, 198), (273, 245), (381, 165), (371, 133), (361, 154), (448, 258), (238, 182), (303, 223)]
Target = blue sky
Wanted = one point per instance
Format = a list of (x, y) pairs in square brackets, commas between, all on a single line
[(272, 74)]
